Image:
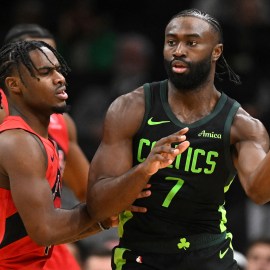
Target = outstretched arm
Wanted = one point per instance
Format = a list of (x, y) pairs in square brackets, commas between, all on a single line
[(114, 184)]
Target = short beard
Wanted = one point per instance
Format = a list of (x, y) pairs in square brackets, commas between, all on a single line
[(61, 110), (197, 76)]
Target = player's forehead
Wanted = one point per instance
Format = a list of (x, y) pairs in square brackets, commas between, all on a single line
[(189, 25), (43, 57)]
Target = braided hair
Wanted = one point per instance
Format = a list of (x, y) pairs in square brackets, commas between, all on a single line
[(221, 63), (12, 55)]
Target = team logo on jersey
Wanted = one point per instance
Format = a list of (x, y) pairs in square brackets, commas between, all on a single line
[(56, 190), (210, 134), (222, 254), (150, 122), (183, 244)]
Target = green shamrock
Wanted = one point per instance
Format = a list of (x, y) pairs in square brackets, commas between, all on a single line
[(183, 244)]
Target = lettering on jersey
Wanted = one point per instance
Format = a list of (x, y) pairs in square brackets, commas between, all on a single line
[(62, 161), (194, 160), (57, 188), (47, 249), (209, 135)]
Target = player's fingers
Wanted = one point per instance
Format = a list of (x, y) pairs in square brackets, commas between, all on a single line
[(173, 138), (137, 209), (143, 194), (183, 146), (147, 186)]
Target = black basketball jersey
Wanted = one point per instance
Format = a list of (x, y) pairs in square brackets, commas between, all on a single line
[(187, 196)]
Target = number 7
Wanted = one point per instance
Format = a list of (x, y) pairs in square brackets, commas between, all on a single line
[(173, 191)]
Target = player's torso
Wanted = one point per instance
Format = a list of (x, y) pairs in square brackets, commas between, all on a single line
[(187, 196)]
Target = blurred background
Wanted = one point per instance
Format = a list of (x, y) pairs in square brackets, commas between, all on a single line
[(115, 46)]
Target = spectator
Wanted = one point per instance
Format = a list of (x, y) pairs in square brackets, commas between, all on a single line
[(258, 254)]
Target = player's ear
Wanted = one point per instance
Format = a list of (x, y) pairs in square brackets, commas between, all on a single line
[(13, 84), (218, 49)]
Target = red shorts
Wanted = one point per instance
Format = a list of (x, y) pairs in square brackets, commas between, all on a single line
[(62, 259)]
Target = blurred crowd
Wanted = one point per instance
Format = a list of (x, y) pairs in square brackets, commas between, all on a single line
[(113, 48)]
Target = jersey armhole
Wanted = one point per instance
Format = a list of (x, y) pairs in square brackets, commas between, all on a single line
[(227, 131), (147, 100), (42, 147)]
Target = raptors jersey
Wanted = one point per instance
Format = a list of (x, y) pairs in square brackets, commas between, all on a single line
[(17, 250), (188, 196)]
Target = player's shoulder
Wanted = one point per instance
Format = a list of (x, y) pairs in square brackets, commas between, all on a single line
[(16, 141), (245, 126), (243, 118), (126, 111), (134, 100)]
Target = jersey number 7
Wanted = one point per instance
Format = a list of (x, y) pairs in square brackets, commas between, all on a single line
[(173, 191)]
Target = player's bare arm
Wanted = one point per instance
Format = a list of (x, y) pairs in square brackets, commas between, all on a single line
[(251, 145), (111, 167), (77, 168), (25, 162)]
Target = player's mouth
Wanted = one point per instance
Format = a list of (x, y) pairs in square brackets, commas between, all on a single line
[(179, 66), (61, 93)]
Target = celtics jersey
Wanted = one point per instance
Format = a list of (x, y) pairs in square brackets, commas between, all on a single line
[(188, 196)]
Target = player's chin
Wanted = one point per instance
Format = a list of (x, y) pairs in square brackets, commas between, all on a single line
[(60, 108)]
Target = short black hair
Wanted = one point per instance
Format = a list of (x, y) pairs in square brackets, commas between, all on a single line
[(204, 16), (24, 30), (15, 53)]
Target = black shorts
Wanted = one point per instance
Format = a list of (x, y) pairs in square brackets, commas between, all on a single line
[(216, 257)]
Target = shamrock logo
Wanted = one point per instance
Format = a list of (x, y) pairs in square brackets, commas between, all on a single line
[(183, 244)]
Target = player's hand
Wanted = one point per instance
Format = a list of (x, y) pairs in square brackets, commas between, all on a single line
[(163, 154), (143, 194), (110, 222), (114, 220)]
